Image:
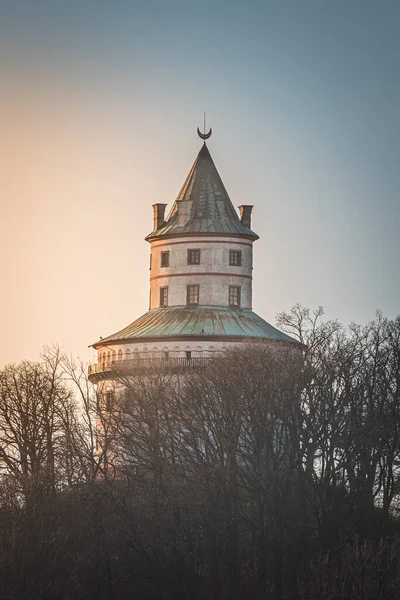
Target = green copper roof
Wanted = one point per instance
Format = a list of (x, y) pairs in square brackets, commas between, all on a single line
[(198, 321), (209, 206)]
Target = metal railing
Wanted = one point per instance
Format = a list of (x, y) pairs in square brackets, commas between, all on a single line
[(147, 363)]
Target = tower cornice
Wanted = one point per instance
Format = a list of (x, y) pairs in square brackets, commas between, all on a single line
[(152, 237)]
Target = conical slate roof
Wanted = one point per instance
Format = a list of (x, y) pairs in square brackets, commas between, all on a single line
[(204, 204), (199, 322)]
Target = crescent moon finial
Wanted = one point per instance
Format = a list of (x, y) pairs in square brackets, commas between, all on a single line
[(204, 136)]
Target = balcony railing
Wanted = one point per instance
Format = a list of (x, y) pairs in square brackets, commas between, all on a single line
[(104, 368)]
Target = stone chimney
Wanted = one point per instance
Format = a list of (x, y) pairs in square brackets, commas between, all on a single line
[(158, 215), (245, 215)]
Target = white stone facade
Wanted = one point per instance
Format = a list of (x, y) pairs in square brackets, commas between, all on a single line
[(214, 273)]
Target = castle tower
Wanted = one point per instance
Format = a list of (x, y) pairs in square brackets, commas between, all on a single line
[(200, 282)]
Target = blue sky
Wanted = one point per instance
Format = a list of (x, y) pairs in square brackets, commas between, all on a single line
[(101, 104)]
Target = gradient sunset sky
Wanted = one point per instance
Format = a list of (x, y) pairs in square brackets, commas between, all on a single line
[(99, 107)]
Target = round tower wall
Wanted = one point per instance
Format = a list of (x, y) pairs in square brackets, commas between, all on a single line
[(214, 272)]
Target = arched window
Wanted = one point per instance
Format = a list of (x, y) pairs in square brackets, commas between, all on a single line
[(108, 356), (113, 354), (120, 354)]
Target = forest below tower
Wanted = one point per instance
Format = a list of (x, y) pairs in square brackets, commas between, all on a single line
[(272, 473)]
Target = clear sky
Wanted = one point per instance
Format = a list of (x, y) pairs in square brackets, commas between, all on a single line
[(99, 106)]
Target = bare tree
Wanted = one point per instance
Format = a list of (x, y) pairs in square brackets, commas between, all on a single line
[(36, 409)]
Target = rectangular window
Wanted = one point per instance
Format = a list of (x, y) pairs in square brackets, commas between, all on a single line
[(165, 259), (193, 294), (234, 296), (164, 296), (193, 257), (235, 258), (150, 262), (109, 401)]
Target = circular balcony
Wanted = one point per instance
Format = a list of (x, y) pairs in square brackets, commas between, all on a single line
[(112, 369)]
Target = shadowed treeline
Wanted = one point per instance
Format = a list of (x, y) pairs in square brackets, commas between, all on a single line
[(273, 473)]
